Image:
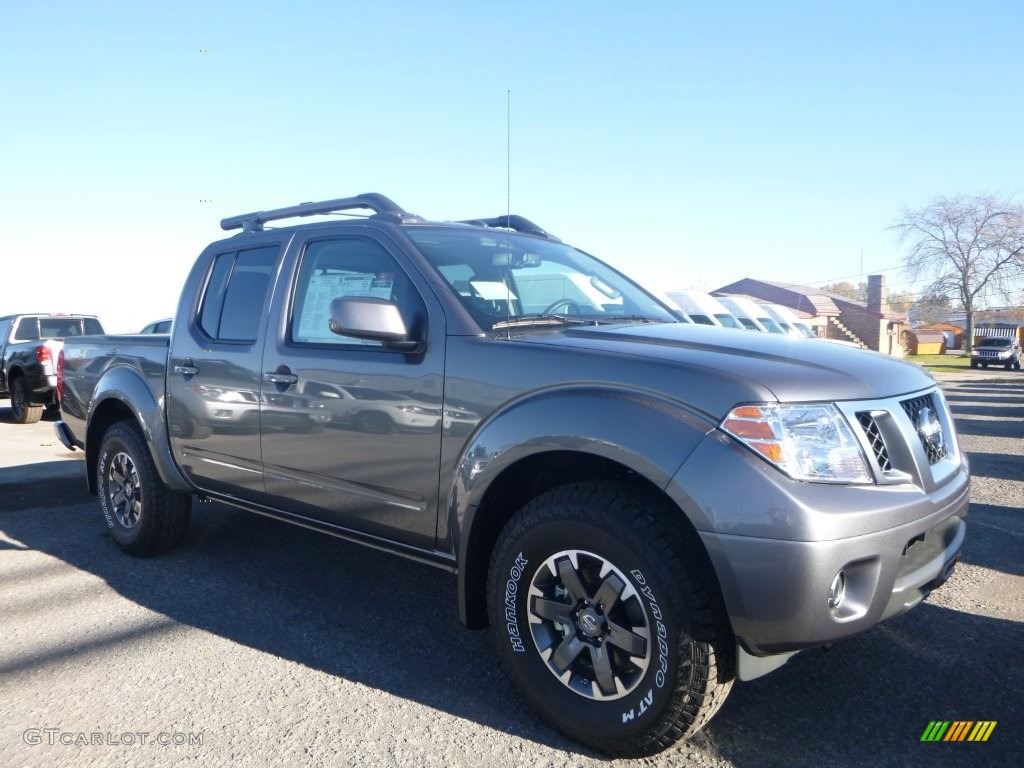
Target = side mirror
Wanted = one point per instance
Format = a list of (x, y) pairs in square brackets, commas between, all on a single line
[(373, 319)]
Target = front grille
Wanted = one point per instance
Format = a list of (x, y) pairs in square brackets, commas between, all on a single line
[(867, 423), (929, 430)]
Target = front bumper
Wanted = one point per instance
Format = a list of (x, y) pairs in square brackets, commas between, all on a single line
[(777, 545), (777, 592)]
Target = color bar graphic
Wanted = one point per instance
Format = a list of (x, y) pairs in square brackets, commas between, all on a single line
[(958, 730)]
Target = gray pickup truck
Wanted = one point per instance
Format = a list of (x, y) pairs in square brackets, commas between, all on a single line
[(642, 510), (29, 347)]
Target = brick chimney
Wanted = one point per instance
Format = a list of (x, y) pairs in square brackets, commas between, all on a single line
[(878, 298)]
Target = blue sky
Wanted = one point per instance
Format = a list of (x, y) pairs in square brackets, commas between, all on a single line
[(688, 144)]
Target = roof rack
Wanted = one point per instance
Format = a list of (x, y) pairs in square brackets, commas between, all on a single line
[(382, 207), (518, 223)]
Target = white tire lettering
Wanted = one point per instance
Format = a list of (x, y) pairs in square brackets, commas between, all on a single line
[(511, 616)]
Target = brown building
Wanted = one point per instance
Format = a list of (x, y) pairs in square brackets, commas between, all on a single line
[(869, 324)]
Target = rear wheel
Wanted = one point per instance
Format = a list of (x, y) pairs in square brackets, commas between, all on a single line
[(606, 619), (22, 408), (143, 515)]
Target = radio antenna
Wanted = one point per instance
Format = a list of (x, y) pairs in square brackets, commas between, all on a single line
[(508, 210), (508, 152)]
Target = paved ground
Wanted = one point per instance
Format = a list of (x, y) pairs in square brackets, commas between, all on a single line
[(275, 646)]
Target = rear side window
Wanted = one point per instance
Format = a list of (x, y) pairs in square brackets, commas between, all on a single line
[(27, 330), (92, 326), (236, 294)]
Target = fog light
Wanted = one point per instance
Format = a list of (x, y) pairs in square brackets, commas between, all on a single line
[(837, 591)]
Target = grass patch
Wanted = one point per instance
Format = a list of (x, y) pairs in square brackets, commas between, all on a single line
[(941, 362)]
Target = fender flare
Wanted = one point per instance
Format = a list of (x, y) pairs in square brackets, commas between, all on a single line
[(644, 432), (124, 385)]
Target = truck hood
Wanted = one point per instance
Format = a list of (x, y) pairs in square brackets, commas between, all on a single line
[(788, 369)]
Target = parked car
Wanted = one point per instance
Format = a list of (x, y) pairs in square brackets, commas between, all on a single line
[(788, 321), (703, 309), (643, 511), (29, 346), (995, 350), (752, 316)]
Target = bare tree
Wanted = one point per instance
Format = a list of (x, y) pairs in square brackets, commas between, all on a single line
[(932, 309), (845, 288), (969, 248)]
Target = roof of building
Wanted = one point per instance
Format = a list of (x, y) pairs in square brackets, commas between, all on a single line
[(804, 298)]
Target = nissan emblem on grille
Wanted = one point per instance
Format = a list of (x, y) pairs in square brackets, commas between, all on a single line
[(930, 431)]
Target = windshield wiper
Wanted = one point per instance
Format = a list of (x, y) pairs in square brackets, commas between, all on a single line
[(540, 319), (613, 319)]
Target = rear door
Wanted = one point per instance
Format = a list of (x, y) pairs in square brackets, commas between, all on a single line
[(352, 430), (213, 387)]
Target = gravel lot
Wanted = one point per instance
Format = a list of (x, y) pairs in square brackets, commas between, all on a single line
[(261, 644)]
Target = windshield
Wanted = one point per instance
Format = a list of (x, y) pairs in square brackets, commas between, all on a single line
[(500, 277), (729, 321), (771, 325), (994, 343)]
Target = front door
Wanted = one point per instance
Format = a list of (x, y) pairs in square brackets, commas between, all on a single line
[(351, 430)]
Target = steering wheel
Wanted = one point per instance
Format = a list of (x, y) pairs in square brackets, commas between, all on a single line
[(572, 307)]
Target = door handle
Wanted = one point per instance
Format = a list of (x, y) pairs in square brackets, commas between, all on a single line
[(188, 368), (280, 378)]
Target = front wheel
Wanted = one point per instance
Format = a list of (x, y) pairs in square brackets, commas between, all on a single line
[(22, 408), (607, 619), (143, 515)]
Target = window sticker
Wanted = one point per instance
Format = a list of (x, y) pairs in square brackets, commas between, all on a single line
[(493, 291), (323, 288)]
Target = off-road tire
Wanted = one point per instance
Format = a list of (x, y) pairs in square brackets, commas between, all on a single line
[(22, 409), (143, 515), (622, 531)]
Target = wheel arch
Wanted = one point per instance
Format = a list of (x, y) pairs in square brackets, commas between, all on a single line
[(123, 395), (554, 440)]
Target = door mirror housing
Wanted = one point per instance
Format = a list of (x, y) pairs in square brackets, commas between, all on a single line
[(373, 319)]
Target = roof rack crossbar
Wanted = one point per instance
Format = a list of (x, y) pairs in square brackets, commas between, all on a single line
[(379, 204), (517, 223)]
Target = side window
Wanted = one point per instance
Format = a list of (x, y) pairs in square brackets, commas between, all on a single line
[(347, 267), (236, 293), (27, 330)]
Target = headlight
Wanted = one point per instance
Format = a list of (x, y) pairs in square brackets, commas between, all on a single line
[(807, 442)]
